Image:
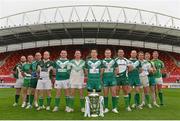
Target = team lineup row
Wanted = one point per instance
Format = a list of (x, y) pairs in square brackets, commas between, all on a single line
[(38, 76)]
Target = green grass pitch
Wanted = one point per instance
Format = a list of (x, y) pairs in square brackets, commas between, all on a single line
[(171, 109)]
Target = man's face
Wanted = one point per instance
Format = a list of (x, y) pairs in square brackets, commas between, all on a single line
[(30, 58), (147, 56), (23, 59), (108, 54), (38, 56), (77, 54), (155, 55), (133, 54), (141, 56), (121, 53), (94, 54), (63, 54), (46, 55)]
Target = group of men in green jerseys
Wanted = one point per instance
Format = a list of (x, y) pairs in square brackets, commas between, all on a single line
[(36, 77)]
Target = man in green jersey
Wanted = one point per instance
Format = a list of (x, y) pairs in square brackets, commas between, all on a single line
[(134, 78), (93, 70), (109, 81), (62, 72), (34, 79), (19, 78), (45, 67), (159, 65), (77, 78), (151, 78), (122, 77), (26, 72)]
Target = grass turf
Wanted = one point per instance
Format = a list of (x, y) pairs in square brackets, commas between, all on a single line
[(171, 109)]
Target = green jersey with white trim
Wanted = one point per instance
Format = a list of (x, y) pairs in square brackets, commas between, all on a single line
[(26, 69), (17, 69), (62, 69), (158, 65), (137, 65), (109, 65), (122, 66), (45, 68), (145, 66), (94, 68)]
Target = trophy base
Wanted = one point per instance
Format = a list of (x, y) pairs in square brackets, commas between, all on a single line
[(94, 115)]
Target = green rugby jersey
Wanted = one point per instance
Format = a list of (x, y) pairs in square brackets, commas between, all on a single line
[(26, 69), (158, 65), (109, 66), (145, 66), (94, 68), (62, 69), (137, 65), (45, 68), (122, 66), (17, 69), (34, 68)]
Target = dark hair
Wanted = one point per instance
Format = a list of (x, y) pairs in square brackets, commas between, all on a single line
[(94, 49), (140, 52), (107, 49)]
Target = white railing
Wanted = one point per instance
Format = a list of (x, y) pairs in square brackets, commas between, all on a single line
[(90, 13)]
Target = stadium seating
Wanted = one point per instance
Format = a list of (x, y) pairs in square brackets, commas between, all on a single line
[(13, 57)]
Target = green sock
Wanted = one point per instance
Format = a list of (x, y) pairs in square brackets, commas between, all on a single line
[(105, 102), (126, 99), (137, 99), (67, 101), (31, 99), (147, 98), (161, 98), (129, 94), (57, 101), (27, 98), (117, 101), (114, 102), (48, 101), (82, 103), (71, 99), (40, 101), (17, 98)]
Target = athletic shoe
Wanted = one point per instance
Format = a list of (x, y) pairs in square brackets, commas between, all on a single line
[(106, 110), (115, 110), (67, 109), (139, 107), (39, 108), (43, 107), (82, 110), (133, 105), (23, 105), (128, 109), (142, 104), (55, 109), (15, 104), (155, 104), (35, 104), (149, 106), (48, 108), (29, 106)]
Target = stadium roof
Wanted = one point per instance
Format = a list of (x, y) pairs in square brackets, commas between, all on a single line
[(97, 24)]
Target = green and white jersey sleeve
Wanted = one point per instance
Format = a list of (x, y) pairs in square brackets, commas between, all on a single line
[(145, 68), (45, 67), (137, 65), (94, 68), (26, 69), (62, 68), (109, 65)]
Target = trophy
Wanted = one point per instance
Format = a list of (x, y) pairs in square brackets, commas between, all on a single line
[(94, 105)]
